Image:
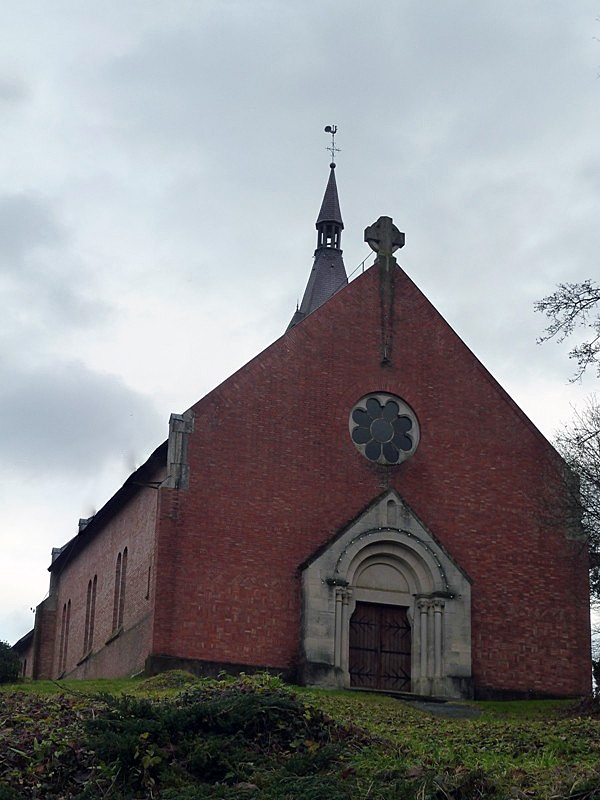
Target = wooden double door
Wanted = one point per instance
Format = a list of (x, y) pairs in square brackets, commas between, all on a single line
[(380, 647)]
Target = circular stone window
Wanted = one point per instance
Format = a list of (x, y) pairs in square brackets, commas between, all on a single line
[(383, 428)]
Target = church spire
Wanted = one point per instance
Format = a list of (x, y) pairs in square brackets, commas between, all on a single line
[(329, 222), (328, 273)]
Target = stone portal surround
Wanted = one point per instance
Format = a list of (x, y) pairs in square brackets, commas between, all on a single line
[(400, 565), (431, 626)]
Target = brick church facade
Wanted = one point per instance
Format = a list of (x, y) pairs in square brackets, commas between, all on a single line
[(361, 505)]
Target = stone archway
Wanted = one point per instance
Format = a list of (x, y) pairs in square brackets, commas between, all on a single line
[(401, 568)]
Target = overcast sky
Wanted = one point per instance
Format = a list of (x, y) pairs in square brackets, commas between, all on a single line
[(163, 164)]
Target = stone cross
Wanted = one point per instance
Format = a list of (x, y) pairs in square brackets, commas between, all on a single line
[(384, 237)]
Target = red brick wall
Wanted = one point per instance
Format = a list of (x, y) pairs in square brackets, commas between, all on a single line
[(27, 662), (132, 527), (43, 638), (274, 475)]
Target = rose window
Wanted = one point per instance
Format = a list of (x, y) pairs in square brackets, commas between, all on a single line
[(384, 429)]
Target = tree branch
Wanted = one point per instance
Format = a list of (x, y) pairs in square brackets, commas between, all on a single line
[(574, 305)]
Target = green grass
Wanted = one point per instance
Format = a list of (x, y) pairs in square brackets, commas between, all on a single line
[(524, 709), (167, 684), (533, 745), (91, 687), (390, 750)]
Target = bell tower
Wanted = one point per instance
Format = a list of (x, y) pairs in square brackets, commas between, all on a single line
[(328, 274)]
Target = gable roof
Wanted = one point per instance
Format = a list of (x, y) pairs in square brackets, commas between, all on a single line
[(137, 480), (287, 349)]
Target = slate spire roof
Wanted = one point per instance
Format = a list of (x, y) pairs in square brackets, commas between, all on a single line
[(330, 207), (328, 273)]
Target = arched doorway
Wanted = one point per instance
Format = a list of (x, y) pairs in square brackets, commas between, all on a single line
[(385, 607)]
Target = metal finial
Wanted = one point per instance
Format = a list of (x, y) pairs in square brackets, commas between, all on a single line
[(332, 129)]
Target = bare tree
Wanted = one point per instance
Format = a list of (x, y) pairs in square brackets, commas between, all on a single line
[(579, 445), (574, 305)]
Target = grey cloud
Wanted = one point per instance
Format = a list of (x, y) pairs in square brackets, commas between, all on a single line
[(12, 91), (71, 420), (26, 222), (220, 86), (41, 285)]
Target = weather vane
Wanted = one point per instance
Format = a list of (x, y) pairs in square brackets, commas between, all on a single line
[(332, 129)]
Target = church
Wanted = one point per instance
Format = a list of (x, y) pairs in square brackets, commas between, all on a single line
[(360, 506)]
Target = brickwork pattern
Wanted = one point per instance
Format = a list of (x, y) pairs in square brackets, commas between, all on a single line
[(133, 527), (274, 475), (44, 638)]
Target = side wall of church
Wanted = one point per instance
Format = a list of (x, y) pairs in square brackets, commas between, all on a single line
[(43, 638), (27, 662), (103, 596), (274, 475), (24, 649)]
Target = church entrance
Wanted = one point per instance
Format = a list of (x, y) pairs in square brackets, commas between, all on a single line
[(385, 607), (380, 647)]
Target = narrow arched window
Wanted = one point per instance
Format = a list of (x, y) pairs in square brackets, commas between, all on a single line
[(61, 649), (120, 583), (92, 613), (66, 637), (88, 606), (115, 622), (122, 587), (391, 513)]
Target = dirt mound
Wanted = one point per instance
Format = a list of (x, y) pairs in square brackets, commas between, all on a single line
[(173, 679)]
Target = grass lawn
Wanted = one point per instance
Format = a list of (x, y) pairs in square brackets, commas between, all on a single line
[(531, 748), (366, 746)]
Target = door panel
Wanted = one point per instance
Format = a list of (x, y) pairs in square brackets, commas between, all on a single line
[(380, 647)]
